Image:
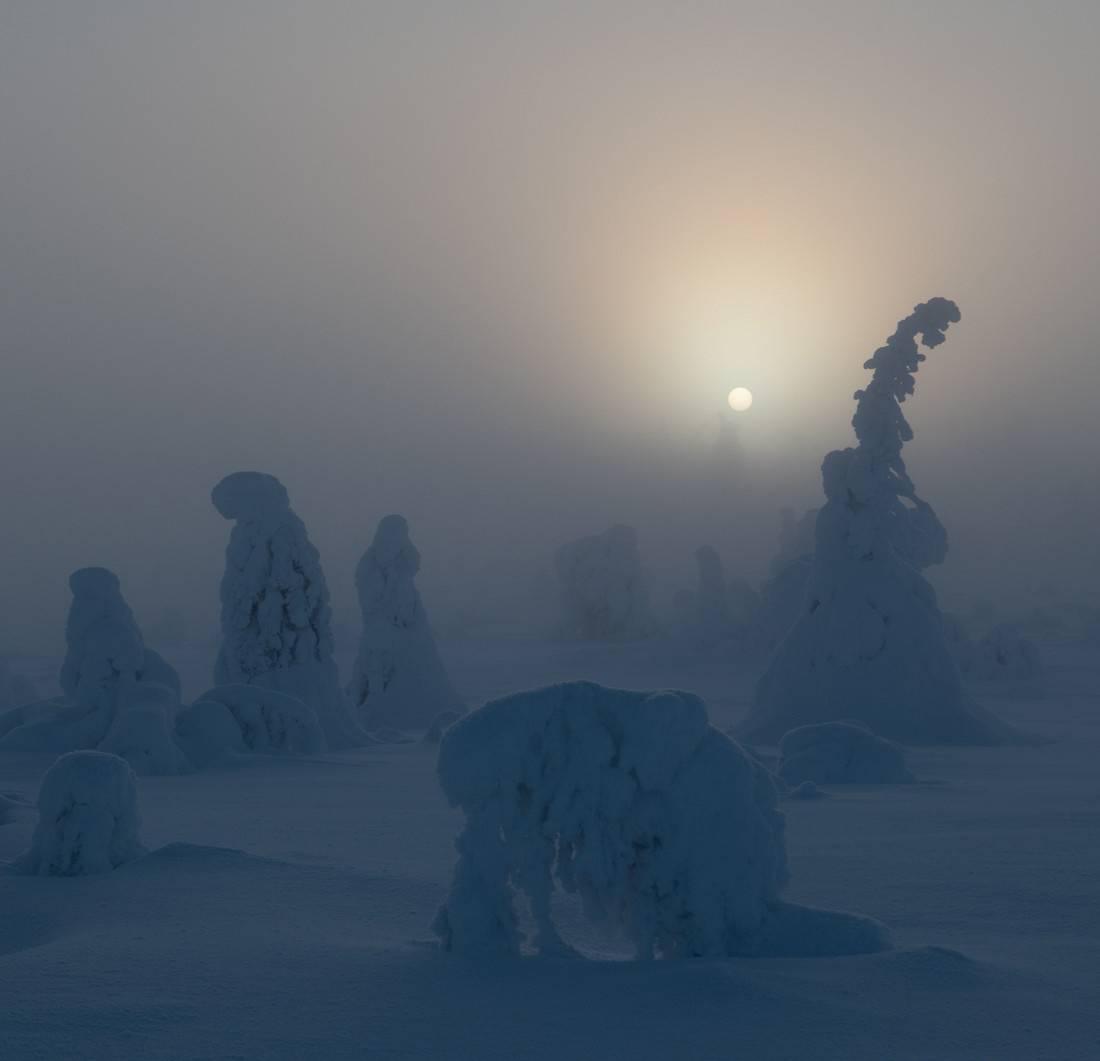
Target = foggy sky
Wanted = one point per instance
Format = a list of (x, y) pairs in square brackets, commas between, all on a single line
[(495, 267)]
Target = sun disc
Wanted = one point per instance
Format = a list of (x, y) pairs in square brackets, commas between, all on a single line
[(740, 399)]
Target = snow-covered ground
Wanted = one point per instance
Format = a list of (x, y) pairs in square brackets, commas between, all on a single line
[(284, 909)]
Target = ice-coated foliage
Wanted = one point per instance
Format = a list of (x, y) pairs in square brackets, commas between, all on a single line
[(399, 679), (119, 695), (869, 640), (603, 593), (88, 819), (276, 621), (267, 721), (660, 823), (840, 753)]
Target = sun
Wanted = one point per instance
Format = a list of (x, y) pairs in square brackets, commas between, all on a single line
[(740, 399)]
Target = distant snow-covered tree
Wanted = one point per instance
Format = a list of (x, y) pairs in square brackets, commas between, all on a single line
[(869, 640), (399, 679), (603, 591)]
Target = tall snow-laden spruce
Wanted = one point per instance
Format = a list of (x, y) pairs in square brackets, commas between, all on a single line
[(399, 678), (869, 640), (275, 615)]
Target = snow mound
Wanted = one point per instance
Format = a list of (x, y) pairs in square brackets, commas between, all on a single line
[(88, 819), (119, 695), (399, 679), (869, 638), (209, 732), (603, 592), (839, 753), (632, 800), (276, 620), (267, 721)]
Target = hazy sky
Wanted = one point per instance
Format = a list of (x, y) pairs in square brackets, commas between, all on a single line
[(495, 266)]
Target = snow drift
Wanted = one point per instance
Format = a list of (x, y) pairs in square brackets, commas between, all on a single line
[(276, 620), (88, 820), (399, 679), (869, 640), (602, 590), (657, 820), (838, 753)]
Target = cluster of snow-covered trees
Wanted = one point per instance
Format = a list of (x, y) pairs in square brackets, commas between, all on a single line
[(277, 686)]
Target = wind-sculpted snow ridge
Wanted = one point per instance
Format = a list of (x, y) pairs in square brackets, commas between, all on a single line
[(399, 679), (119, 695), (275, 615), (840, 753), (602, 588), (869, 641), (88, 820), (660, 823)]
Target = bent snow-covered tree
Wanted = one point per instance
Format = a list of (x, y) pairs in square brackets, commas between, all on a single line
[(602, 587), (869, 641), (399, 679), (633, 801), (275, 615)]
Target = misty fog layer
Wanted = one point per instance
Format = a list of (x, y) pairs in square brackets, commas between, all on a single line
[(496, 268)]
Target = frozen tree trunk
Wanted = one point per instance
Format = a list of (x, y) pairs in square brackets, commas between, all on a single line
[(603, 592), (276, 620), (869, 641), (88, 820), (399, 679)]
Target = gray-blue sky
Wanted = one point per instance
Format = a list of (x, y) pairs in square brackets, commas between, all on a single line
[(495, 266)]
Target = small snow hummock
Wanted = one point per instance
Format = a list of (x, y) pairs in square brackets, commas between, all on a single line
[(869, 640), (603, 591), (632, 800), (399, 679), (276, 620), (265, 720), (88, 819), (119, 695), (838, 753)]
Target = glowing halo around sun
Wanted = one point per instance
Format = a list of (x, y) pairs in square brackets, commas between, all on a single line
[(740, 399)]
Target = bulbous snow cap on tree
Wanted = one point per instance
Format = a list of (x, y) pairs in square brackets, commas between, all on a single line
[(635, 802), (88, 820), (869, 640), (399, 679), (275, 614)]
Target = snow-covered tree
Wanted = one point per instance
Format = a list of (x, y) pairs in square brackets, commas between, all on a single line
[(660, 823), (721, 611), (119, 695), (15, 689), (88, 820), (276, 620), (869, 641), (784, 591), (603, 590), (399, 678)]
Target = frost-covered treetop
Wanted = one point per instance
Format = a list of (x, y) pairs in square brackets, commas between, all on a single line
[(392, 548), (249, 495), (870, 480)]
